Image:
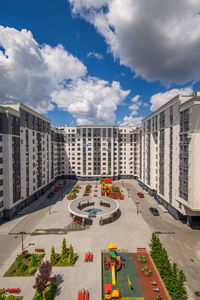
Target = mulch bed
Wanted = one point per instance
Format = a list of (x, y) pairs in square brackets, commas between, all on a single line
[(145, 281), (10, 272), (113, 195)]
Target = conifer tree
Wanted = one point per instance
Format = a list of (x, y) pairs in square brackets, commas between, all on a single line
[(64, 252), (53, 256)]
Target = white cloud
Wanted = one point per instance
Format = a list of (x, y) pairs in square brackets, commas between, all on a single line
[(145, 104), (160, 99), (91, 100), (40, 75), (156, 39), (130, 121), (96, 55), (136, 98), (133, 107), (29, 72)]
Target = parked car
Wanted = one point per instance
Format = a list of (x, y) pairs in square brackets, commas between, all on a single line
[(154, 211), (57, 189), (197, 294), (141, 195), (50, 195)]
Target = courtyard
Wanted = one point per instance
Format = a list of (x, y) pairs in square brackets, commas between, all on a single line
[(129, 231)]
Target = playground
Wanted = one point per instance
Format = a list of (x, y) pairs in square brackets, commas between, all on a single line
[(129, 276), (111, 191)]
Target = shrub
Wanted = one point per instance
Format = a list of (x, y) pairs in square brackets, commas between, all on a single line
[(10, 297), (37, 296), (33, 262), (41, 255), (19, 264), (31, 270), (19, 257), (24, 253), (13, 271), (23, 268), (49, 294)]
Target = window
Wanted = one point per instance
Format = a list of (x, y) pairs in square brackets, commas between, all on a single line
[(1, 171), (1, 193), (1, 149)]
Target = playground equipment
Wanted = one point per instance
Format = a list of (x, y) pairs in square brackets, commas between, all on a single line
[(129, 282), (83, 295), (88, 256), (106, 180), (113, 260), (111, 294)]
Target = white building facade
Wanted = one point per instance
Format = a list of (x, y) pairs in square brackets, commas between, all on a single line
[(170, 160), (33, 154), (163, 155)]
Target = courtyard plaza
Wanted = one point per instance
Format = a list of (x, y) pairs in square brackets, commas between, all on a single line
[(128, 232)]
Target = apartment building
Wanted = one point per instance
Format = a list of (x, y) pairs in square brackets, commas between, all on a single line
[(25, 156), (95, 151), (33, 154), (169, 156)]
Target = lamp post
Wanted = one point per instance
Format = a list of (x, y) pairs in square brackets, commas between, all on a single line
[(137, 203), (49, 207), (123, 183), (128, 192)]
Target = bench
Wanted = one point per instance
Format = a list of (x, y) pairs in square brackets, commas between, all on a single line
[(90, 256), (52, 278), (86, 257), (39, 250), (13, 290)]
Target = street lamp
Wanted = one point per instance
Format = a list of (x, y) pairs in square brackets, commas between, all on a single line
[(137, 203), (49, 207), (123, 183), (128, 192)]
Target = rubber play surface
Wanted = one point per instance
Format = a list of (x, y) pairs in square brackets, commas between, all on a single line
[(129, 268)]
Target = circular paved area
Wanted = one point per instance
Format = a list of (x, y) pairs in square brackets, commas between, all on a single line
[(73, 207)]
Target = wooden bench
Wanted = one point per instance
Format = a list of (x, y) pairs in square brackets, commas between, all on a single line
[(39, 250), (13, 290)]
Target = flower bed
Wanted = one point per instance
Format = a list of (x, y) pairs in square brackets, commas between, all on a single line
[(26, 265)]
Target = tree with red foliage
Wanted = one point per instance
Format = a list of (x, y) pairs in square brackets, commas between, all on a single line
[(41, 279)]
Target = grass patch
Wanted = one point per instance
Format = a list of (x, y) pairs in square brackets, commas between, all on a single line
[(23, 266)]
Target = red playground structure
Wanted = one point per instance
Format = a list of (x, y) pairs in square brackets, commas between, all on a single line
[(88, 256), (106, 180), (83, 295)]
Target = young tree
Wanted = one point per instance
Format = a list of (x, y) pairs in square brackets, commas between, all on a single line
[(64, 252), (53, 256), (41, 279), (71, 256)]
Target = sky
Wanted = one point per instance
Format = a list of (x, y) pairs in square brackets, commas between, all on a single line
[(98, 62)]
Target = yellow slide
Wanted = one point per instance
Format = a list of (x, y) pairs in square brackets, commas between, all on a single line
[(113, 275)]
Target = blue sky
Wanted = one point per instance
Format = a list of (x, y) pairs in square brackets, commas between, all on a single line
[(111, 66)]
